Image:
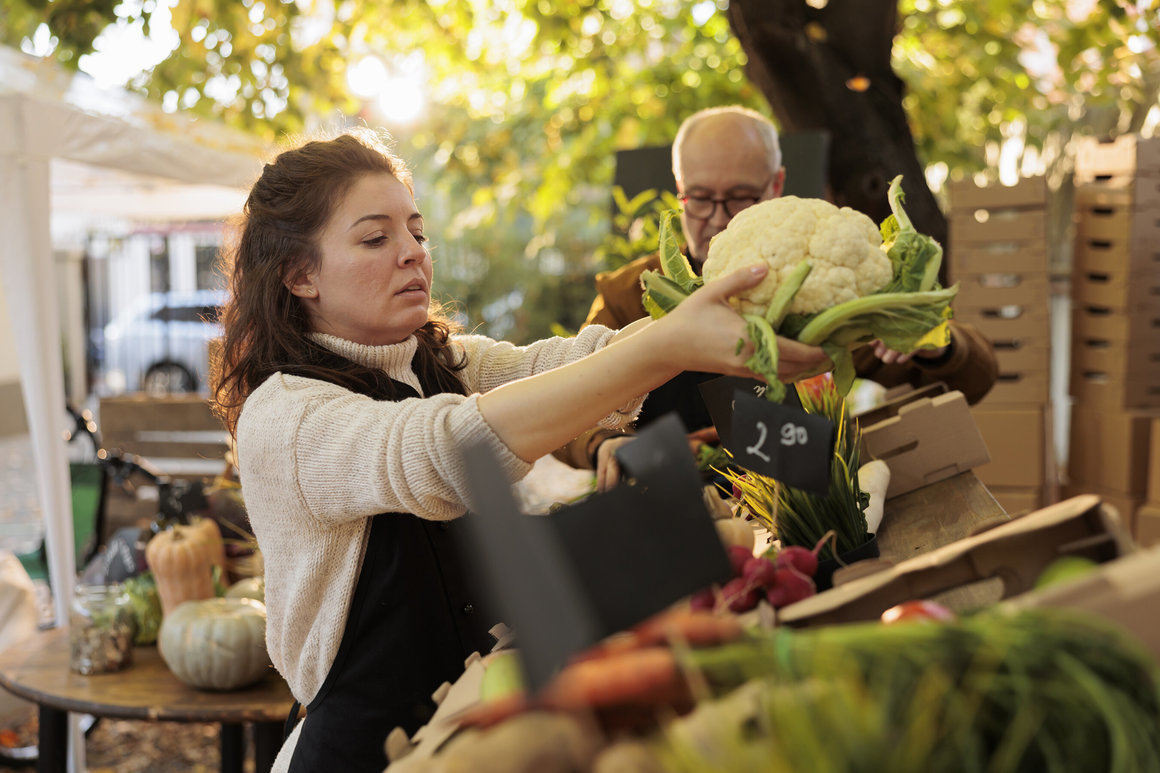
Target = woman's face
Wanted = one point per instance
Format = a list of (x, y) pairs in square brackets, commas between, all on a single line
[(373, 282)]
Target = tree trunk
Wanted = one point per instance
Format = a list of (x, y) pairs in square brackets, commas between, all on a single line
[(829, 69)]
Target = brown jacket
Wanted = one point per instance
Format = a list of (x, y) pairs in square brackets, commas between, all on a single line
[(969, 367)]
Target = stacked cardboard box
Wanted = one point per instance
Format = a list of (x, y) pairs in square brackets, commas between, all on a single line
[(1115, 351), (999, 258), (1148, 515)]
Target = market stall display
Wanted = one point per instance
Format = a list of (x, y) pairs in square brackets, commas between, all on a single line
[(1063, 676)]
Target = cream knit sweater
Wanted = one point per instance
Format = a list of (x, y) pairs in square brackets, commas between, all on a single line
[(316, 460)]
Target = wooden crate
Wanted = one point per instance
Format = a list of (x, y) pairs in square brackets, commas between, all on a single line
[(1002, 291), (1011, 226), (1027, 193), (1116, 253), (1027, 330), (1116, 288), (1004, 258), (1127, 154), (1137, 191), (1115, 358), (1138, 227)]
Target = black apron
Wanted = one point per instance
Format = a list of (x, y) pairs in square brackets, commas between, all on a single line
[(413, 621)]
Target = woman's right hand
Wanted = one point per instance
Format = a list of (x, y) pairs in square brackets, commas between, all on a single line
[(705, 330), (702, 332)]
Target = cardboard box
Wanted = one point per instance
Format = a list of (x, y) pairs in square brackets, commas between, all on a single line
[(1129, 331), (1114, 360), (1020, 388), (1018, 500), (1138, 191), (1116, 253), (1147, 521), (1017, 551), (997, 258), (1138, 227), (1030, 328), (1119, 288), (1003, 225), (1115, 391), (1018, 441), (923, 439), (996, 291), (1125, 590), (1100, 359), (1027, 193), (1154, 464), (1108, 451), (1124, 507), (1126, 154), (1022, 358)]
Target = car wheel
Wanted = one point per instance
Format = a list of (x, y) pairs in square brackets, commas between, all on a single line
[(168, 378)]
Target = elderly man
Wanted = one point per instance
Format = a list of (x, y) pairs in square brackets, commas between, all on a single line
[(724, 160)]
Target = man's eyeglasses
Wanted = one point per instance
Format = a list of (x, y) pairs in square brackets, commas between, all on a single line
[(703, 207)]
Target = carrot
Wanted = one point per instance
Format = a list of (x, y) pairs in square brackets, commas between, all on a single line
[(690, 627), (647, 675)]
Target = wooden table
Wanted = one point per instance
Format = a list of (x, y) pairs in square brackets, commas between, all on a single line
[(936, 515), (38, 670)]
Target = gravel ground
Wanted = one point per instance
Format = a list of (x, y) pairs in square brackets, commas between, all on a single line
[(124, 746)]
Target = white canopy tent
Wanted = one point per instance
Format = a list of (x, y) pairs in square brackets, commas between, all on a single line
[(67, 145)]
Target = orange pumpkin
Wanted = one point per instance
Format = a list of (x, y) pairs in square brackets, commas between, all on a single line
[(182, 559)]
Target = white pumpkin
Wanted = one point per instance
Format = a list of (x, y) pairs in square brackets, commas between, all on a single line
[(248, 588), (216, 644)]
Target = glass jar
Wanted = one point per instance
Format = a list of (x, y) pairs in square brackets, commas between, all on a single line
[(100, 629)]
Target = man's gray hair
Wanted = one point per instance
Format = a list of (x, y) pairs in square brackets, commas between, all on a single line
[(764, 127)]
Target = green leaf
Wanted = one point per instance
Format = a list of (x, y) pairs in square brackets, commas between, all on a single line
[(763, 361), (674, 264)]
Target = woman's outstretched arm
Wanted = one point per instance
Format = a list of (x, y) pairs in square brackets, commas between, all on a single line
[(538, 414)]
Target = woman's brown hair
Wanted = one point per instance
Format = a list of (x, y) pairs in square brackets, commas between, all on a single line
[(267, 330)]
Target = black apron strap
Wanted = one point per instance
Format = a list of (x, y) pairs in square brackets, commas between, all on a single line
[(291, 720)]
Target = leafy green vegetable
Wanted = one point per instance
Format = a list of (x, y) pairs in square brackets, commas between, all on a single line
[(916, 257), (908, 313), (1042, 689), (762, 331), (145, 603), (676, 280)]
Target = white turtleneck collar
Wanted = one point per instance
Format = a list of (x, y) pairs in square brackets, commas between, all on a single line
[(393, 359)]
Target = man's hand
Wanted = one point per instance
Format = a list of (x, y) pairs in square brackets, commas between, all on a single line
[(889, 356), (608, 471), (796, 360)]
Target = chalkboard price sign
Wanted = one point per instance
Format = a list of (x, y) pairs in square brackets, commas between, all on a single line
[(782, 441)]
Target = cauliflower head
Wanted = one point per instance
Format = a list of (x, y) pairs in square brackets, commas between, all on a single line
[(842, 245)]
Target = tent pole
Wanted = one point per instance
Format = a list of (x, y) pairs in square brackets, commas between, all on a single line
[(27, 266)]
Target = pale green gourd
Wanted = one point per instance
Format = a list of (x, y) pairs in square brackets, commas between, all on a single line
[(216, 644)]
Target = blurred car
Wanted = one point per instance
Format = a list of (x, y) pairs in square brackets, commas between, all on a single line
[(160, 343)]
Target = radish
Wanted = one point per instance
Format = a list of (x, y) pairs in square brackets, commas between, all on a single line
[(737, 558), (739, 595), (759, 571), (802, 559), (789, 586), (703, 600)]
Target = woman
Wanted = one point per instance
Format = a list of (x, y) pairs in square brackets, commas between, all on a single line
[(349, 398)]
